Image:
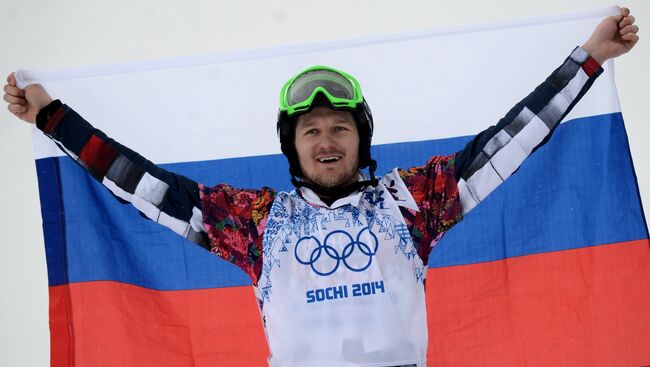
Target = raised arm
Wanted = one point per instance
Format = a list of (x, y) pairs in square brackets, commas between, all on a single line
[(446, 188), (218, 219), (166, 198), (496, 153)]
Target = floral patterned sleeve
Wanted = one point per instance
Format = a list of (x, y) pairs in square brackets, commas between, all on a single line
[(435, 191), (234, 220)]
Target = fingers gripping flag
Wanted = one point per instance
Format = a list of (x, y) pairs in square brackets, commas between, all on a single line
[(551, 268)]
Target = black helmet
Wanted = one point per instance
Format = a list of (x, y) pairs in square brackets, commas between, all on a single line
[(323, 86)]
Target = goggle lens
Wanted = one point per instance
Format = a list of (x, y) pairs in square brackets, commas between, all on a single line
[(306, 84)]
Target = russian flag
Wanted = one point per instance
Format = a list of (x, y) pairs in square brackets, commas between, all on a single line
[(550, 269)]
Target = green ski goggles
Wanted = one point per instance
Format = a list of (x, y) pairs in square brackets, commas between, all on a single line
[(342, 90)]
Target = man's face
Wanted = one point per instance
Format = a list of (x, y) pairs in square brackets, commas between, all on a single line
[(327, 142)]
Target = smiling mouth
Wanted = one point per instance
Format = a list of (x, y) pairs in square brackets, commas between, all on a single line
[(329, 159)]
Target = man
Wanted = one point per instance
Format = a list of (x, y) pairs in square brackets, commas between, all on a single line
[(332, 291)]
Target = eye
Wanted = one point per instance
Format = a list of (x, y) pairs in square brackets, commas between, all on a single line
[(341, 128), (311, 132)]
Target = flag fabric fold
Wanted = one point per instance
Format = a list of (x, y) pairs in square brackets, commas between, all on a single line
[(552, 268)]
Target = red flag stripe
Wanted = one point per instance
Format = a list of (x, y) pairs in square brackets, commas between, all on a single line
[(582, 307)]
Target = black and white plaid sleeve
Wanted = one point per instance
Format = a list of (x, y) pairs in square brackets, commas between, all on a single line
[(496, 153), (164, 197)]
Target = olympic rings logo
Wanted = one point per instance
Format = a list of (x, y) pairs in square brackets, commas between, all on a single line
[(324, 259)]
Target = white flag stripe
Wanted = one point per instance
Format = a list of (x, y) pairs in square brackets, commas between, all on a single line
[(26, 77), (418, 85)]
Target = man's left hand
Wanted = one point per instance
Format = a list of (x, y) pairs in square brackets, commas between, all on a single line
[(613, 37)]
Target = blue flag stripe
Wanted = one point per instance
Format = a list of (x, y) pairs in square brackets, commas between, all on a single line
[(535, 211)]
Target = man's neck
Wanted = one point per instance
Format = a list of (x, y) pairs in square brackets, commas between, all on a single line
[(329, 195)]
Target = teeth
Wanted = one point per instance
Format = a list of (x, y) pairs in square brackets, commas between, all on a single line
[(329, 159)]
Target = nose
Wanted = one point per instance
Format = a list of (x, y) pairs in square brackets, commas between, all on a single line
[(327, 142)]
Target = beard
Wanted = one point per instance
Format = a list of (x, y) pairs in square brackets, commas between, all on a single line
[(339, 178), (331, 181)]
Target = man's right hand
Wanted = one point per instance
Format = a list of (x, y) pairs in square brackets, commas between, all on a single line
[(25, 103)]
